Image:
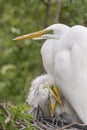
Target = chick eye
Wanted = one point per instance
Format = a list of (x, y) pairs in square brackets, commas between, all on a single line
[(46, 89)]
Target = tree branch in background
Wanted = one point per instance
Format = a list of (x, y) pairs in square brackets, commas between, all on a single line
[(58, 9), (47, 11)]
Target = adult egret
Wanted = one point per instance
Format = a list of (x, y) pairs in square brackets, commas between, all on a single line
[(67, 62), (52, 34), (43, 102)]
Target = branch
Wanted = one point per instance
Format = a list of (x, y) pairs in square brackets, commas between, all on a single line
[(45, 3), (73, 124), (47, 12), (58, 9), (3, 107)]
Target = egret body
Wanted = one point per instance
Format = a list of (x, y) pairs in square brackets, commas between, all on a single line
[(68, 63), (72, 57)]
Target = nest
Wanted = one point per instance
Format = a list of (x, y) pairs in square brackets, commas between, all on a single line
[(62, 122)]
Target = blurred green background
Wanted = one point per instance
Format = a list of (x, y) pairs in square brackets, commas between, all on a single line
[(20, 61)]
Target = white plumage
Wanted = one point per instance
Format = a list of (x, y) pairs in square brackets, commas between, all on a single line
[(75, 89), (48, 48), (39, 94), (70, 68), (65, 59)]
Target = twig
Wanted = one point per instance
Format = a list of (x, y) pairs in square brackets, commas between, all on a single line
[(74, 123), (51, 126), (3, 107), (41, 125), (36, 126), (23, 127)]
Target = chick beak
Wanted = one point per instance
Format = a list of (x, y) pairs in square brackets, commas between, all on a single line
[(54, 98), (52, 105), (56, 94)]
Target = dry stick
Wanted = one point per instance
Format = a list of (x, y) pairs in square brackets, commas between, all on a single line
[(49, 125), (41, 124), (3, 107), (74, 123), (36, 126)]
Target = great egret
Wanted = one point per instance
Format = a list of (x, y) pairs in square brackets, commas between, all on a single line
[(52, 34), (43, 94), (67, 62), (40, 97)]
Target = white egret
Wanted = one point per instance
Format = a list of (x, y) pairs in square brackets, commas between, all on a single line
[(43, 94), (40, 95), (66, 60), (52, 34)]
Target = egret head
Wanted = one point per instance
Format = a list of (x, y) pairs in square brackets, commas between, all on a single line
[(54, 31)]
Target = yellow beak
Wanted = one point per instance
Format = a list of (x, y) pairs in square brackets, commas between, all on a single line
[(33, 35), (56, 94), (52, 105)]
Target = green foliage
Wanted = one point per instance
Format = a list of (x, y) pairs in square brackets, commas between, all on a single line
[(74, 12), (19, 118), (20, 62)]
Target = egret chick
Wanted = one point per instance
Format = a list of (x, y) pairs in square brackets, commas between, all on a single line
[(43, 94), (44, 99)]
